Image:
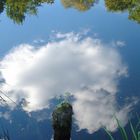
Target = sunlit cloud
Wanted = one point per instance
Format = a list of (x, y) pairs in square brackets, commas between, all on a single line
[(99, 110), (85, 67)]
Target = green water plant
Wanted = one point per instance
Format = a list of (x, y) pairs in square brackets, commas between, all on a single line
[(133, 130)]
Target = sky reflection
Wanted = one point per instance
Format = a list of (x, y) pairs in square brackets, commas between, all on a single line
[(18, 10), (105, 81)]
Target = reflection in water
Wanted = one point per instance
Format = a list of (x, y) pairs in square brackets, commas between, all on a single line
[(17, 9), (80, 68), (132, 6), (2, 2), (81, 5)]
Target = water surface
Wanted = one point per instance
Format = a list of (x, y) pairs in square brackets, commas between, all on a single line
[(88, 48)]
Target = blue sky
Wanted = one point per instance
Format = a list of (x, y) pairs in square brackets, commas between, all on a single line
[(109, 26)]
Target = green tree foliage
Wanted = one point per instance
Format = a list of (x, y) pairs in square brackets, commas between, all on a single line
[(17, 9), (131, 6), (118, 5), (2, 4), (134, 12), (81, 5)]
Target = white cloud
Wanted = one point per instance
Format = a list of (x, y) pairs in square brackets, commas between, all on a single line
[(5, 115), (39, 41), (85, 67), (98, 111), (119, 43)]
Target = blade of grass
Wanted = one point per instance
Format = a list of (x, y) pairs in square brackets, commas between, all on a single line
[(138, 121), (133, 131), (122, 130), (139, 135), (109, 134)]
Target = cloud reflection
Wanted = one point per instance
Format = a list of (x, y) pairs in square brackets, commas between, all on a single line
[(84, 66)]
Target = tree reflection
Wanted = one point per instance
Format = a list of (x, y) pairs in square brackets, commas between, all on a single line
[(134, 12), (18, 9), (81, 5), (2, 4), (132, 6), (118, 5)]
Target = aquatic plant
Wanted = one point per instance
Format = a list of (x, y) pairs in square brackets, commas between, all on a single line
[(133, 130)]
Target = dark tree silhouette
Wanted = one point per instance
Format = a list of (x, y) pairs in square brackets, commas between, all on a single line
[(2, 4)]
